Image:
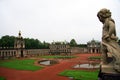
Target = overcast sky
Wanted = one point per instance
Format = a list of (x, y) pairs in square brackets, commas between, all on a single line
[(57, 20)]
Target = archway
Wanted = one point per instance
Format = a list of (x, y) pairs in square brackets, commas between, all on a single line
[(93, 50), (22, 53)]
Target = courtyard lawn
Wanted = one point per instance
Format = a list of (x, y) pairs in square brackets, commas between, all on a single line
[(2, 78), (59, 57), (27, 64), (80, 74), (95, 58)]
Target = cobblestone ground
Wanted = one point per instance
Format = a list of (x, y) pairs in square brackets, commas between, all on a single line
[(48, 73)]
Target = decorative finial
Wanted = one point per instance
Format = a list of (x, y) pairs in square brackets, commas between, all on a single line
[(19, 33)]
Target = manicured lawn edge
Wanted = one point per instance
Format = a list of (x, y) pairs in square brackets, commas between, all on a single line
[(94, 58), (59, 57), (80, 74), (2, 78), (27, 64)]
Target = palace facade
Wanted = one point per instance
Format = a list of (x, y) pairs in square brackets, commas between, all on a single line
[(94, 46), (59, 48), (54, 49)]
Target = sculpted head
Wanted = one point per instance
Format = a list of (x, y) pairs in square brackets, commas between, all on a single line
[(103, 14)]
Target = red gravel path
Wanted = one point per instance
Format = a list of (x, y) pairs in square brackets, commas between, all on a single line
[(48, 73)]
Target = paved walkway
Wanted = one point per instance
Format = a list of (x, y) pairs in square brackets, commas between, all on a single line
[(48, 73)]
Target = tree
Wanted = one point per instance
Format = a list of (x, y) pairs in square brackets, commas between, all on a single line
[(46, 45), (32, 43), (7, 41), (82, 45), (35, 44), (73, 43)]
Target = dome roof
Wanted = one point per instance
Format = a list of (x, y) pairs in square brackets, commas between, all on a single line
[(93, 41)]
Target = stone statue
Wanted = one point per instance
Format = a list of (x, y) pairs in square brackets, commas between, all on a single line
[(109, 40)]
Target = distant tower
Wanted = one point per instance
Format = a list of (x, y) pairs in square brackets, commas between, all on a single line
[(19, 45), (19, 42)]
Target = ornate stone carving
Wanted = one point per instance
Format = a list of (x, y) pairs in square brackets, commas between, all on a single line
[(109, 40)]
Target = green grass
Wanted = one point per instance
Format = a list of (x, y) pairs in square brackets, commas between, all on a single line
[(80, 74), (94, 58), (59, 57), (2, 78), (27, 64)]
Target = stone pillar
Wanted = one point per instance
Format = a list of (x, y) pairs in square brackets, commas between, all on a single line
[(9, 53), (91, 51), (2, 53), (95, 50)]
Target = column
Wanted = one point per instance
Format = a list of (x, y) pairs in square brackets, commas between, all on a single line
[(91, 51), (95, 50)]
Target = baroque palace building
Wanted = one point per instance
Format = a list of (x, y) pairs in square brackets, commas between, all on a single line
[(20, 51), (54, 49), (57, 48), (19, 46), (17, 51), (94, 46)]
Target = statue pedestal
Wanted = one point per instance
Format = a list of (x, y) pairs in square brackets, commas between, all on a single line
[(108, 73)]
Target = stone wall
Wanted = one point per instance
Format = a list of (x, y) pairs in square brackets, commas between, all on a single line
[(75, 50)]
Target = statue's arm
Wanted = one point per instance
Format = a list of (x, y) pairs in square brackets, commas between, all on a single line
[(111, 29)]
